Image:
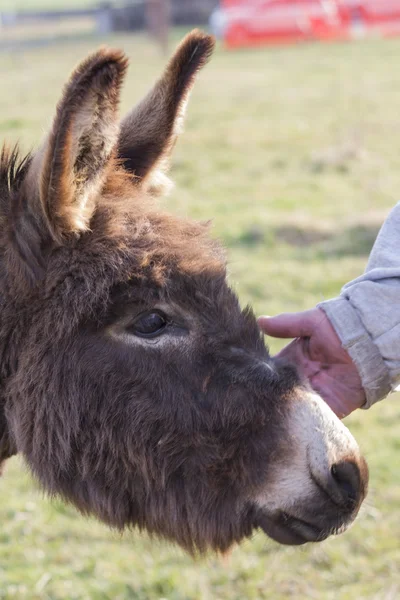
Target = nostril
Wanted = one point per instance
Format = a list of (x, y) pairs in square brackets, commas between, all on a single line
[(348, 479)]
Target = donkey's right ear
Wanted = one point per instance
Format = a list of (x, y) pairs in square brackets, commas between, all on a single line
[(66, 176), (149, 131)]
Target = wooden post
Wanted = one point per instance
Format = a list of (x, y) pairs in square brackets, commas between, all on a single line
[(158, 18)]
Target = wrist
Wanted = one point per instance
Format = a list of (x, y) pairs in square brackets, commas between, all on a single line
[(357, 343)]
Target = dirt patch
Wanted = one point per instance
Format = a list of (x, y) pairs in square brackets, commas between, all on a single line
[(300, 236)]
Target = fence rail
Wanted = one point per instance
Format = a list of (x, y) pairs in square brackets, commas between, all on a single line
[(120, 15)]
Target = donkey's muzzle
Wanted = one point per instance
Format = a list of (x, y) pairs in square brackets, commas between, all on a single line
[(332, 509)]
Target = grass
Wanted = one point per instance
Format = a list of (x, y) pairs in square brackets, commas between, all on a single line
[(294, 153)]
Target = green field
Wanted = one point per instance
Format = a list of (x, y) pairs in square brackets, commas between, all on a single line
[(295, 154)]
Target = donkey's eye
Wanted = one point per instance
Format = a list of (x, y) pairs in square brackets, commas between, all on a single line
[(149, 325)]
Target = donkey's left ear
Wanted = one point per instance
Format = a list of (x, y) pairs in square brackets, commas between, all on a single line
[(149, 132), (72, 167)]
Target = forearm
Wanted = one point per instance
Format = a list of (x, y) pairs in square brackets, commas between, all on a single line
[(366, 316)]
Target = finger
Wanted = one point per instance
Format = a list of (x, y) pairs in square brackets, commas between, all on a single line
[(287, 325), (334, 393), (294, 353), (329, 398)]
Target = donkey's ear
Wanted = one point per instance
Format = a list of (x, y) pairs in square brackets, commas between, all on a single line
[(73, 164), (149, 132)]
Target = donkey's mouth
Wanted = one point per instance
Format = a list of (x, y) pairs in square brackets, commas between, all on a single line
[(286, 529)]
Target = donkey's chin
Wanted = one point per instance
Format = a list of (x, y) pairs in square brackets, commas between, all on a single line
[(293, 531)]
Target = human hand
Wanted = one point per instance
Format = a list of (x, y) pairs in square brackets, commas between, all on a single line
[(319, 356)]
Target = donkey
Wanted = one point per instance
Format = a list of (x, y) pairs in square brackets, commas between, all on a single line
[(132, 383)]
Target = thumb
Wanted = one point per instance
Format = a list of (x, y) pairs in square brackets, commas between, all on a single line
[(287, 325)]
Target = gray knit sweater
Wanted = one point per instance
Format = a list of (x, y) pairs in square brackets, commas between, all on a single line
[(366, 315)]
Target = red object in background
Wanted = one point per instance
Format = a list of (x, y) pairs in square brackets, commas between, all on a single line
[(381, 16), (252, 22)]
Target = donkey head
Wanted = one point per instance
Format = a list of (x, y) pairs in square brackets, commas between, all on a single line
[(132, 382)]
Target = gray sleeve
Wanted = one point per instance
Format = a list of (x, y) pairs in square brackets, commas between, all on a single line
[(366, 316)]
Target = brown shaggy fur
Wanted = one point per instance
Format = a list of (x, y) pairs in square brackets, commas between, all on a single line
[(175, 434)]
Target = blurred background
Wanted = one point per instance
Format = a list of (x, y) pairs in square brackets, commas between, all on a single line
[(292, 147)]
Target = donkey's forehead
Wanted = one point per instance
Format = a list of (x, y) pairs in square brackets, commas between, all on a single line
[(161, 247), (180, 246), (150, 254)]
